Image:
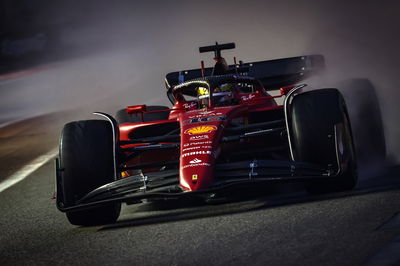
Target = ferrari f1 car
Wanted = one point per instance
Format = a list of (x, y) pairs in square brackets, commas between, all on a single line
[(229, 127)]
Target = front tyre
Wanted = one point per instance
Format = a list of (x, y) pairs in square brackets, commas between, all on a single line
[(321, 134), (86, 160)]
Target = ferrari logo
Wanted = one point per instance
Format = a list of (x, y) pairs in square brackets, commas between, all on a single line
[(200, 130), (194, 177)]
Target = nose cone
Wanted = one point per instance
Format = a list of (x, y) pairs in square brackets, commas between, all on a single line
[(197, 172), (201, 132), (199, 142)]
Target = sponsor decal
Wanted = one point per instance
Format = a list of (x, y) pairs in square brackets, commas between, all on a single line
[(195, 160), (191, 111), (200, 130), (249, 97), (197, 143), (191, 148), (206, 147), (196, 153), (205, 113), (204, 119), (189, 105), (201, 137), (195, 165)]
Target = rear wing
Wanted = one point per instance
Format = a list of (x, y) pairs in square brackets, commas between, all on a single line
[(273, 74)]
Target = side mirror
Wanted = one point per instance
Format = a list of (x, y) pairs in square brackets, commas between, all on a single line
[(135, 109)]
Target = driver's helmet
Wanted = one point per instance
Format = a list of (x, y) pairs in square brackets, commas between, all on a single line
[(203, 94), (224, 94)]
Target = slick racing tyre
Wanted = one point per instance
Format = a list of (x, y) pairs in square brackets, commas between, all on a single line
[(321, 134), (123, 117), (86, 160)]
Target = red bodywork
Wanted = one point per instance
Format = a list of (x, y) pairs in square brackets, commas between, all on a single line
[(201, 131), (223, 132)]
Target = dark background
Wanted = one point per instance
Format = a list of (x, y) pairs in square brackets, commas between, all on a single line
[(119, 52)]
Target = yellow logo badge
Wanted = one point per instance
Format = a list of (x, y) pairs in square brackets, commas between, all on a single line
[(194, 177), (200, 130)]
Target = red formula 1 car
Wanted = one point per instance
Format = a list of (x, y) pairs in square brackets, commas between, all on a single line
[(225, 131)]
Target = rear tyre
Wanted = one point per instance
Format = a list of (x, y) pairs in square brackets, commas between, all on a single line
[(369, 134), (321, 134), (86, 160), (123, 117)]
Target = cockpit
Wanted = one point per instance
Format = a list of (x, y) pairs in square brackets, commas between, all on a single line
[(217, 91)]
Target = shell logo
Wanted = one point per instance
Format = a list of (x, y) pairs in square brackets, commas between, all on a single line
[(200, 130)]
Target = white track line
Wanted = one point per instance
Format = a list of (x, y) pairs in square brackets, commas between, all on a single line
[(27, 169), (12, 122)]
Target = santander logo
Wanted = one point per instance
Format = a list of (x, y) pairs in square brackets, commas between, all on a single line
[(195, 160)]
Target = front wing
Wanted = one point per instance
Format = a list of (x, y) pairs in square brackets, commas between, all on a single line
[(165, 184)]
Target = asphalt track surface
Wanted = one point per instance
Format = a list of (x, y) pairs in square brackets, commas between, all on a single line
[(285, 226)]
